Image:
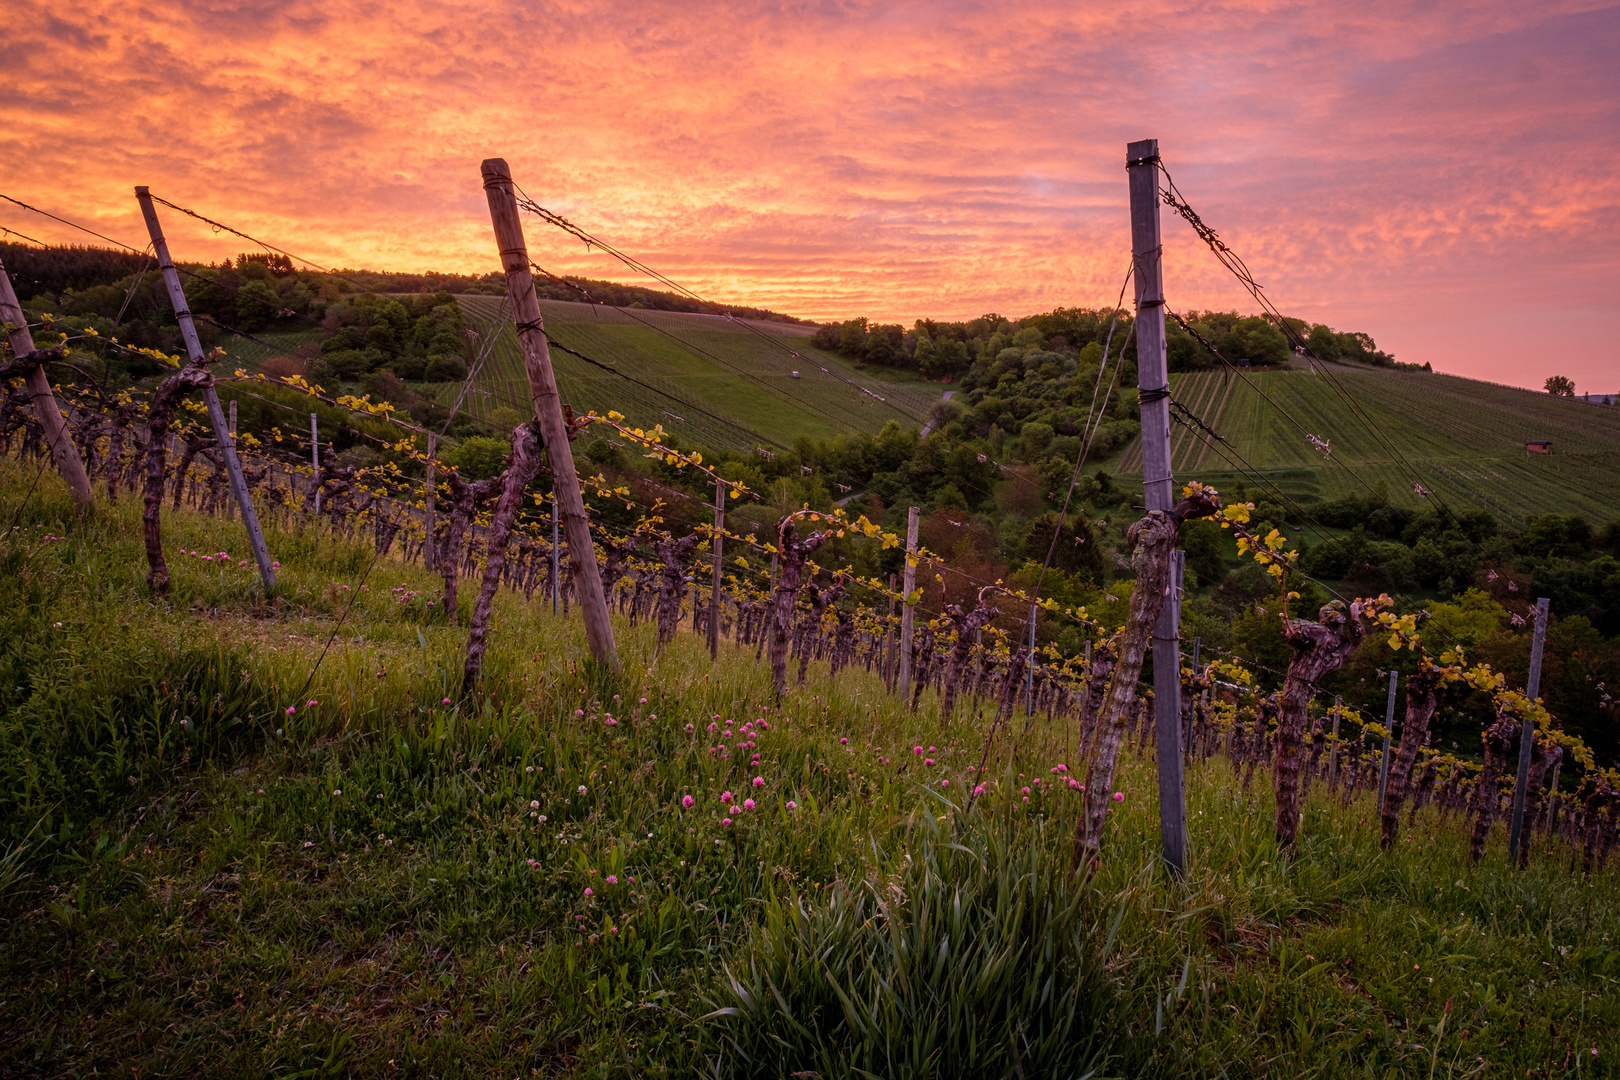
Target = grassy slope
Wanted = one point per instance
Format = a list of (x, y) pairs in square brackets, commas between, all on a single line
[(228, 912), (750, 386), (1464, 439)]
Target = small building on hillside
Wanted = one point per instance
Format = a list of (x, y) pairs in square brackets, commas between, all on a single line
[(1539, 446)]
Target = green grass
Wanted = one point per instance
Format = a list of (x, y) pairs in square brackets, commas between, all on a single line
[(199, 899), (750, 386), (1464, 439)]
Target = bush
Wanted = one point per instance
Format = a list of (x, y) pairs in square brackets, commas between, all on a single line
[(479, 457)]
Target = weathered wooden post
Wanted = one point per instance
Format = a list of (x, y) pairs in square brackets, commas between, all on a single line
[(430, 504), (66, 454), (906, 604), (1527, 738), (1153, 380), (1333, 750), (216, 415), (1389, 724), (714, 587), (889, 638), (570, 504), (315, 459), (556, 554)]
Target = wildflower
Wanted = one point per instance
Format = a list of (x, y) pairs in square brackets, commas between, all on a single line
[(613, 879), (446, 701), (748, 804), (917, 750), (532, 863), (713, 726), (1026, 791), (612, 722), (337, 791), (1119, 796), (1073, 783), (275, 565), (529, 769), (686, 802), (944, 783), (534, 804), (579, 712), (841, 742), (792, 805), (643, 701), (759, 781), (928, 761), (582, 789), (689, 729), (588, 892), (725, 822), (312, 703), (725, 796), (931, 749), (978, 789), (291, 709)]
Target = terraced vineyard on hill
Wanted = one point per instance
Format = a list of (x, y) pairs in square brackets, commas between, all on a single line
[(1464, 439), (744, 379)]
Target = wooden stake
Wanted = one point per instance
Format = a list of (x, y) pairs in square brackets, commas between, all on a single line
[(1527, 737), (66, 454), (430, 503), (714, 588), (907, 605), (1153, 379), (315, 459), (1333, 750), (216, 415), (556, 554), (1389, 724), (503, 213)]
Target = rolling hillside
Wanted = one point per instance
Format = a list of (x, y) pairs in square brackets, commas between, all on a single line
[(1463, 439), (718, 364)]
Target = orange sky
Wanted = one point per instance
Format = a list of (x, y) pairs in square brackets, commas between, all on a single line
[(1445, 177)]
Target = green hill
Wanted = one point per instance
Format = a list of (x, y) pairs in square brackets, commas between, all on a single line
[(745, 378), (1464, 439)]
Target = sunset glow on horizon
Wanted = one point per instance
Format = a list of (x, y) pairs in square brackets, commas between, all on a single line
[(1445, 178)]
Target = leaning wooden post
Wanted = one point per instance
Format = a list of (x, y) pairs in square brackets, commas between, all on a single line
[(906, 614), (1153, 382), (68, 461), (1527, 739), (503, 213), (714, 588), (216, 415)]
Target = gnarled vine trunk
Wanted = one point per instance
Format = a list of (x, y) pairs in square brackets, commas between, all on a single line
[(1319, 647), (794, 552), (159, 415), (967, 629), (1152, 541), (523, 466), (1421, 700)]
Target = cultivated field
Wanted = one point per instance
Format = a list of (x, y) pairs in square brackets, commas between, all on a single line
[(1464, 439)]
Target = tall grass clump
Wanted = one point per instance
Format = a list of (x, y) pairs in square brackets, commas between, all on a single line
[(973, 955)]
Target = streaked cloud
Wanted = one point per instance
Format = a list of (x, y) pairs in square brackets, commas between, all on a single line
[(1442, 178)]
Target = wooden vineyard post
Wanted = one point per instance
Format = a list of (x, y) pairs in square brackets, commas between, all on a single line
[(430, 503), (1389, 724), (714, 588), (1333, 751), (231, 423), (315, 459), (216, 415), (556, 554), (906, 604), (569, 503), (1153, 378), (890, 637), (68, 461), (1527, 738)]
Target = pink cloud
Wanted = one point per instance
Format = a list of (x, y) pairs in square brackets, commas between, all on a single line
[(1394, 167)]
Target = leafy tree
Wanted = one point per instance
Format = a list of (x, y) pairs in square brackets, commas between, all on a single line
[(1560, 386)]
